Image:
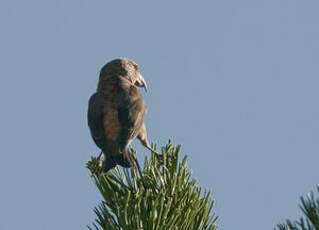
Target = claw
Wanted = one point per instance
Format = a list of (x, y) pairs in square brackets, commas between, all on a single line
[(160, 158)]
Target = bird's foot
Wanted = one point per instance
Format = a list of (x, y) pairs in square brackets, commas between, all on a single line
[(95, 165), (159, 158)]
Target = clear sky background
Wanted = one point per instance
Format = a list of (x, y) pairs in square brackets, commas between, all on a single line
[(235, 82)]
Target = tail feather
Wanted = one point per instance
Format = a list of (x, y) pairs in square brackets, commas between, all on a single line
[(124, 158)]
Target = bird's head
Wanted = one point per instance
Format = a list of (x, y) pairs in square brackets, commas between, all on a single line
[(126, 68)]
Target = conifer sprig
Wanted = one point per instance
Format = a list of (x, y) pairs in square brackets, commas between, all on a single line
[(158, 197)]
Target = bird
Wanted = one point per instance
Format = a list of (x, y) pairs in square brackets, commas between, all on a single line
[(116, 113)]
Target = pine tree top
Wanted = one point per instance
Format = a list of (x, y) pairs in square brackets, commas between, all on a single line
[(155, 197)]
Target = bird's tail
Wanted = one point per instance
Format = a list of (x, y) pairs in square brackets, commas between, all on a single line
[(125, 158)]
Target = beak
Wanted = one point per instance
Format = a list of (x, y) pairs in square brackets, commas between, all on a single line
[(140, 82)]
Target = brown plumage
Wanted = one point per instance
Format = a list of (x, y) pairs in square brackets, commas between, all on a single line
[(116, 112)]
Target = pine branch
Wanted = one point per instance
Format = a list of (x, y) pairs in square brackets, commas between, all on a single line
[(155, 197), (310, 207)]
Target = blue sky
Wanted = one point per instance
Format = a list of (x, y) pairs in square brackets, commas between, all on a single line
[(234, 82)]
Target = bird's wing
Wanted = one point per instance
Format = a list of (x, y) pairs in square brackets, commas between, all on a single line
[(131, 113), (95, 120)]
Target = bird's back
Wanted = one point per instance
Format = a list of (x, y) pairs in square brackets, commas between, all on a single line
[(112, 127)]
